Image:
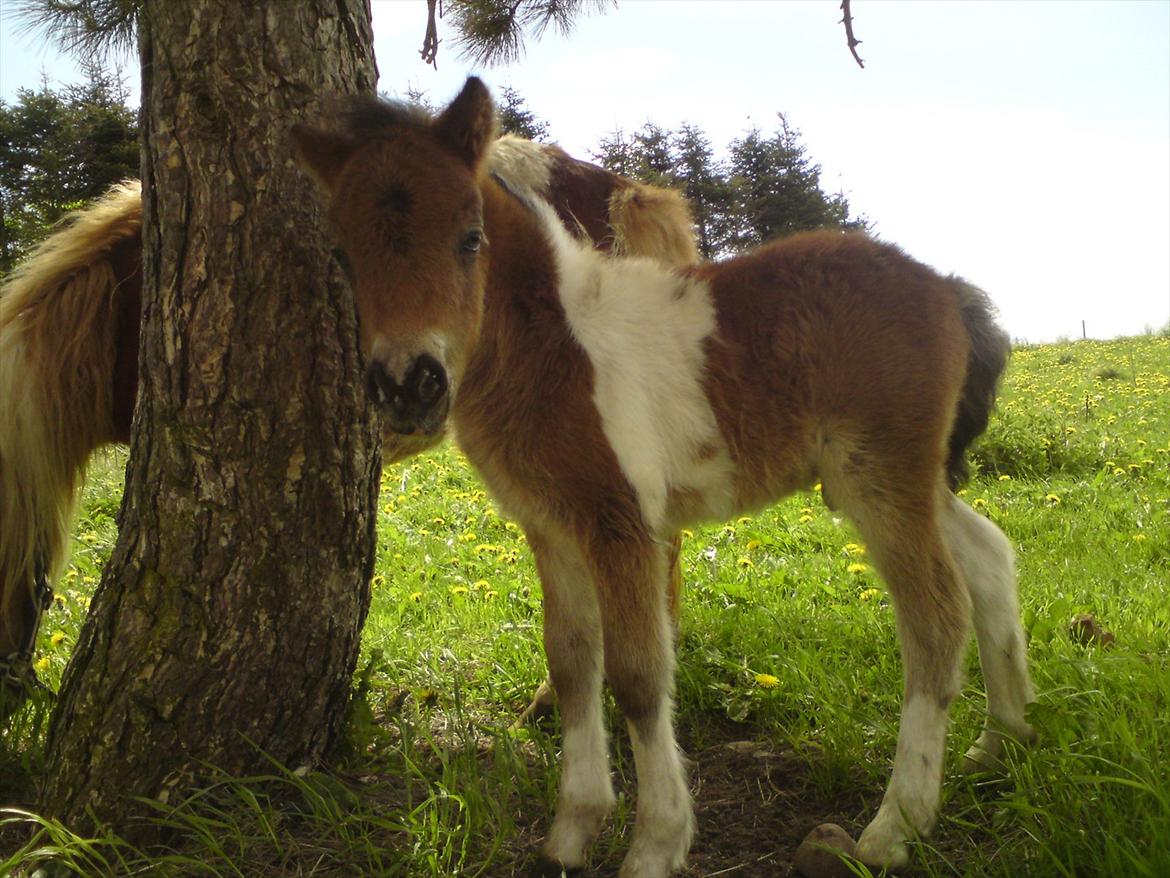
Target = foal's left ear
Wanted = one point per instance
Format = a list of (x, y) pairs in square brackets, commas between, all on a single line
[(322, 153), (468, 124)]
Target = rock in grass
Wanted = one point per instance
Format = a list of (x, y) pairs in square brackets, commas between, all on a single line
[(1087, 631), (818, 855)]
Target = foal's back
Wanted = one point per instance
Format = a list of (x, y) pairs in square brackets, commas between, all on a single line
[(831, 345)]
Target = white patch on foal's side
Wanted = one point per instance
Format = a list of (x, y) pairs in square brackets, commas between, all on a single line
[(644, 329)]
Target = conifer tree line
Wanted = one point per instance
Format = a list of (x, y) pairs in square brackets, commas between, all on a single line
[(59, 149), (766, 187)]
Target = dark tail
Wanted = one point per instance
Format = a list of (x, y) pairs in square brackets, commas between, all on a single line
[(985, 364)]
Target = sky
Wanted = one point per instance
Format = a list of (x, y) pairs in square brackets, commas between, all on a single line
[(1024, 145)]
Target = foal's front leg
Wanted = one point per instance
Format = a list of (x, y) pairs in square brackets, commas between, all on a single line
[(572, 642), (631, 578)]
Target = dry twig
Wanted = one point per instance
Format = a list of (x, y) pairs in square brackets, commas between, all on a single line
[(847, 20), (430, 48)]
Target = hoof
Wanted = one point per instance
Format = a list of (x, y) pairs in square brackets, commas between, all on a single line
[(546, 868), (823, 853)]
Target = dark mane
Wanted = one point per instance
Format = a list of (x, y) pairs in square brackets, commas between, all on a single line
[(369, 116)]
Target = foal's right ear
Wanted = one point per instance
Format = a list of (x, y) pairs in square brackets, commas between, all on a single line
[(322, 153), (468, 124)]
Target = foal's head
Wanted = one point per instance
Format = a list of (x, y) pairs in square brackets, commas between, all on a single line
[(405, 211)]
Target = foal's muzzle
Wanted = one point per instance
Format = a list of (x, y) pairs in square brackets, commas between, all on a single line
[(417, 405)]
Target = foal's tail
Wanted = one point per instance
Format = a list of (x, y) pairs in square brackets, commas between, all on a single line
[(57, 354), (655, 222), (985, 364)]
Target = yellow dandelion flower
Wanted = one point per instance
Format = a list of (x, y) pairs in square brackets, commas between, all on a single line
[(459, 589), (753, 545), (767, 681), (58, 638), (854, 549), (41, 665), (745, 563), (377, 581), (978, 502), (511, 526), (468, 537), (480, 583), (857, 567), (1005, 478), (1052, 499), (744, 519), (805, 519), (1137, 538), (416, 596), (869, 594), (491, 593), (688, 533)]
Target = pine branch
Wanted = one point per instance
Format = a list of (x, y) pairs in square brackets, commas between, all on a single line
[(847, 20), (81, 27)]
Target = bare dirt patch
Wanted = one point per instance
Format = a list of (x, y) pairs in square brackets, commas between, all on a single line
[(754, 805)]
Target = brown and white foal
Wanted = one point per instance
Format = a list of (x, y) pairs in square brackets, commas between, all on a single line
[(609, 402)]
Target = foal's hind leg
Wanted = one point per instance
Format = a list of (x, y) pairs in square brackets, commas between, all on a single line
[(572, 642), (984, 556), (932, 610)]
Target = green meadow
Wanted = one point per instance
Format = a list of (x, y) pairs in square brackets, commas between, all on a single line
[(789, 680)]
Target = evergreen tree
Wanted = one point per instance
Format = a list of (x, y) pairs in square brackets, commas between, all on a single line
[(59, 150), (619, 153), (516, 118), (777, 187), (704, 182), (768, 187)]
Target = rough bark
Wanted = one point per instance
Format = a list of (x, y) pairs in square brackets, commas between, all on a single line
[(228, 619)]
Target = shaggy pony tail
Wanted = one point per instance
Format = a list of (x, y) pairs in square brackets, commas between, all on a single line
[(58, 326), (990, 347), (651, 221)]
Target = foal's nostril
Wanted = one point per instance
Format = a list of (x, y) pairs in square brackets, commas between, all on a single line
[(379, 385), (428, 380)]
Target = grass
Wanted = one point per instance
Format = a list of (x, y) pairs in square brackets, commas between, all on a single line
[(787, 641)]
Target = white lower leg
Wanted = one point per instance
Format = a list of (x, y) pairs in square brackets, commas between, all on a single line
[(910, 805), (665, 819), (984, 556), (586, 794)]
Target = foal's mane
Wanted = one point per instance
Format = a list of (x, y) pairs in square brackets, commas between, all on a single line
[(367, 116)]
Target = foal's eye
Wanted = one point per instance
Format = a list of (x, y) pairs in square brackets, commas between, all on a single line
[(471, 241)]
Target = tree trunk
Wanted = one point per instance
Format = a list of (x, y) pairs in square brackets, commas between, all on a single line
[(228, 619)]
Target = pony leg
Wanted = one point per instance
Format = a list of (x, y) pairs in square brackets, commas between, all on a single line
[(545, 698), (573, 644), (932, 609), (984, 556), (633, 591)]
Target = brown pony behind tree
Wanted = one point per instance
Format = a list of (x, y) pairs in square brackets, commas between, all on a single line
[(609, 402), (69, 320)]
